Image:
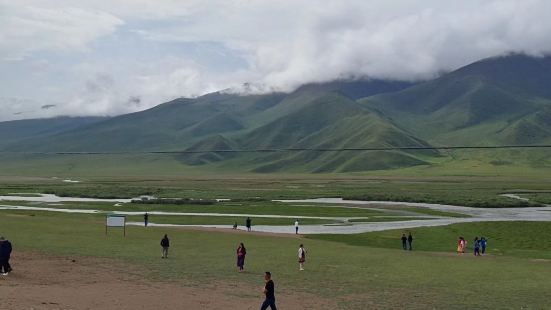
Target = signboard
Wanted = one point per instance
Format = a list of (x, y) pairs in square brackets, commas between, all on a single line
[(115, 221)]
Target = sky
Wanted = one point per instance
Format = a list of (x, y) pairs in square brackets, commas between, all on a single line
[(109, 57)]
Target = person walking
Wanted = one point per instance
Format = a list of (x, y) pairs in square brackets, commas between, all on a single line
[(483, 244), (410, 241), (248, 223), (301, 257), (5, 254), (404, 242), (145, 219), (165, 244), (241, 253), (296, 227), (269, 292), (476, 246)]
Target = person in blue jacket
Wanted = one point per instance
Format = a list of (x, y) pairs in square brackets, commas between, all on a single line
[(483, 244)]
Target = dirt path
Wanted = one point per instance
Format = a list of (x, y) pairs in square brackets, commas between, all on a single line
[(45, 282)]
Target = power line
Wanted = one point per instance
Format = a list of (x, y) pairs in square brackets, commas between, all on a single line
[(278, 150)]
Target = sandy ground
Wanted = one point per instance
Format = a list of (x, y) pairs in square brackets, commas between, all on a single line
[(45, 282)]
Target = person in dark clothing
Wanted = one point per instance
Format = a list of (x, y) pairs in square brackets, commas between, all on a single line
[(404, 242), (410, 241), (269, 291), (165, 244), (5, 253), (476, 246), (248, 223), (145, 219), (483, 244)]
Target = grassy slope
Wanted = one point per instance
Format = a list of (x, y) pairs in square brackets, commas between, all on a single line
[(494, 101), (356, 277), (14, 131), (521, 239)]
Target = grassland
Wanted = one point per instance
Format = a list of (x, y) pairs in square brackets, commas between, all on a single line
[(458, 190), (369, 275), (359, 271), (519, 239)]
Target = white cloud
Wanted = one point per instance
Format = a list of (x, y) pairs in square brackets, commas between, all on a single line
[(159, 50), (27, 29)]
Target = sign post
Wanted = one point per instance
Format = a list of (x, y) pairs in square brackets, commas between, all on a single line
[(114, 220)]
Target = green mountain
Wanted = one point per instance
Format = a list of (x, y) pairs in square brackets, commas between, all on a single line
[(18, 131), (174, 125), (496, 101), (329, 120), (503, 100)]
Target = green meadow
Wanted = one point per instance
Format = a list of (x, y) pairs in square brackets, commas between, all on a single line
[(359, 272)]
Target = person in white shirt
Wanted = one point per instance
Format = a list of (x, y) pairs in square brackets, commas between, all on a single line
[(296, 227), (301, 257)]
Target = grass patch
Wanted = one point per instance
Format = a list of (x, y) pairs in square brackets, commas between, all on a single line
[(387, 219), (268, 208), (432, 212), (356, 277), (225, 220), (521, 239)]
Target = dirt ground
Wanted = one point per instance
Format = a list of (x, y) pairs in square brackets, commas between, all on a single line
[(44, 282)]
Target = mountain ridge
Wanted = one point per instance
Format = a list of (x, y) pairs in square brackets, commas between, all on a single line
[(500, 100)]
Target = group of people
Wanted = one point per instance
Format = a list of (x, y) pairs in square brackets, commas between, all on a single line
[(248, 224), (5, 254), (269, 288), (407, 242), (479, 246), (242, 253)]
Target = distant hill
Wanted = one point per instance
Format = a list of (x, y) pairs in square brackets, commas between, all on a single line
[(502, 100), (36, 129), (357, 89)]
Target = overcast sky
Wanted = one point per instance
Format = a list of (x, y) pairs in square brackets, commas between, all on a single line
[(107, 57)]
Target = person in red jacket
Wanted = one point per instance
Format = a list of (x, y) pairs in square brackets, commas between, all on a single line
[(241, 252)]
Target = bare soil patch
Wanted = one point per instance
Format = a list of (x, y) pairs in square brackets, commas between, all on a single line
[(41, 281)]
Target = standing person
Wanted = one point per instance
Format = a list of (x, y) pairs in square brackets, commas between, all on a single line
[(145, 219), (269, 291), (460, 245), (476, 246), (235, 225), (248, 223), (301, 257), (404, 242), (5, 253), (296, 227), (165, 244), (410, 241), (483, 243), (241, 252)]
